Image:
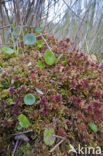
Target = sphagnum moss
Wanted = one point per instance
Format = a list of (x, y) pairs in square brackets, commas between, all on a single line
[(71, 99)]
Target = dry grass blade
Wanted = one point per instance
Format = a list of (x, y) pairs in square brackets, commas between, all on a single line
[(57, 145)]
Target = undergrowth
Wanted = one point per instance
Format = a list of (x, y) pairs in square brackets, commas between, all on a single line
[(68, 98)]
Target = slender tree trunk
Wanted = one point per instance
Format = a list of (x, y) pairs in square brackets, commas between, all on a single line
[(3, 18), (17, 11)]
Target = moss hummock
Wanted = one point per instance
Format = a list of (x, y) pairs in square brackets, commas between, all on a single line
[(68, 97)]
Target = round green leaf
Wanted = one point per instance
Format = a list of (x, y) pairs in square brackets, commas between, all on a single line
[(29, 99), (29, 39), (93, 127), (38, 29), (40, 64), (8, 50), (23, 121), (49, 139), (49, 57)]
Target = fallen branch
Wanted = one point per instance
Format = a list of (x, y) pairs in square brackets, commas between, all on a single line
[(15, 148), (22, 133), (19, 138)]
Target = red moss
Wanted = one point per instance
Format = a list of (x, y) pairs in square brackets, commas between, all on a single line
[(72, 96), (61, 132), (58, 98), (97, 94)]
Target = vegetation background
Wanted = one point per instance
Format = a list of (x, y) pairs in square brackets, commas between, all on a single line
[(80, 20), (51, 84)]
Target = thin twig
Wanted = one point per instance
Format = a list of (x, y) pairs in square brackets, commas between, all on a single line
[(15, 147), (46, 42), (13, 40), (17, 47), (22, 133), (5, 44), (56, 146), (24, 26), (21, 29), (7, 26), (72, 11), (79, 28), (60, 137), (74, 3)]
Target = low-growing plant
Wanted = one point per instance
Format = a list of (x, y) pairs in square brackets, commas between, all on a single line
[(29, 99), (29, 39), (49, 139), (51, 91), (23, 121), (49, 57)]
